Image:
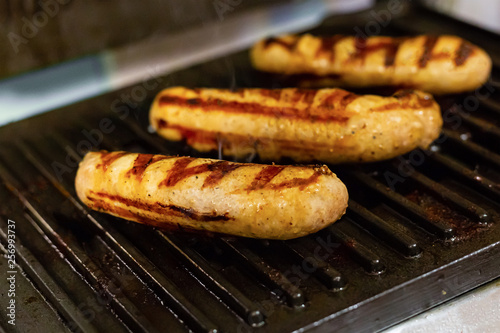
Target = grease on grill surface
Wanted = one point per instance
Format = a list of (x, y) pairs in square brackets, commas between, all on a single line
[(439, 212)]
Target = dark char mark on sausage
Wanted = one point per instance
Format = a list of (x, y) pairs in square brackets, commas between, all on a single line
[(305, 95), (271, 93), (391, 51), (180, 171), (429, 44), (391, 47), (301, 183), (156, 207), (256, 108), (327, 46), (339, 100), (361, 49), (308, 95), (142, 162), (464, 51), (220, 169), (107, 158), (264, 177)]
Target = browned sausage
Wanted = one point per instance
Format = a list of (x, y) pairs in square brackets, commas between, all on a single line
[(329, 125), (436, 64), (251, 200)]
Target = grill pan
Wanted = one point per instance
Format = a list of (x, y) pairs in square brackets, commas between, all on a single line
[(420, 229)]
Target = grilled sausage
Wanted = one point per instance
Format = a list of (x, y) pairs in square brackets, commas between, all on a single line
[(327, 125), (251, 200), (439, 65)]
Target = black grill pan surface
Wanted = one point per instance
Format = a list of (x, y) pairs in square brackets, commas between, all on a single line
[(420, 229)]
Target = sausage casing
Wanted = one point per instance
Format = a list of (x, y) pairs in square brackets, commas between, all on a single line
[(327, 125), (243, 199), (436, 64)]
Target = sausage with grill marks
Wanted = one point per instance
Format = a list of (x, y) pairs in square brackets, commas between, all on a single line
[(250, 200), (437, 64), (327, 125)]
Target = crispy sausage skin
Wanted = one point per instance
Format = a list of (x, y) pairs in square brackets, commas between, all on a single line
[(327, 125), (250, 200), (436, 64)]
